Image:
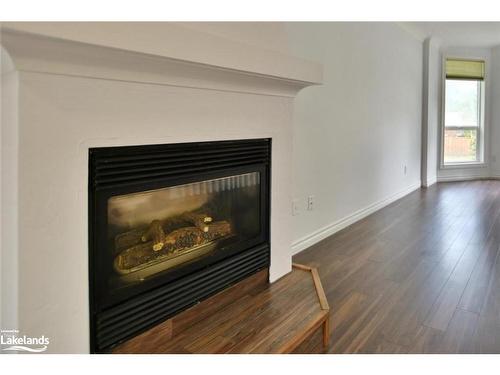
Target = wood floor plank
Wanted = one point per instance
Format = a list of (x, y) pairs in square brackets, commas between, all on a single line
[(487, 337), (491, 306), (365, 324), (382, 346), (449, 298), (427, 340), (459, 337), (475, 293)]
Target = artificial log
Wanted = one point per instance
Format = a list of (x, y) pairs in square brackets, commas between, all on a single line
[(156, 234), (177, 242), (135, 236), (219, 228), (193, 236), (199, 220), (128, 239), (135, 256)]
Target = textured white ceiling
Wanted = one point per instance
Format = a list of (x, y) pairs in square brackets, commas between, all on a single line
[(460, 34)]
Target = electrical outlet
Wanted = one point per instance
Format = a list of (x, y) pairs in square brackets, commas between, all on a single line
[(405, 169), (295, 207), (310, 203)]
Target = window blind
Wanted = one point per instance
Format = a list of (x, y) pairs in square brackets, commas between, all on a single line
[(464, 69)]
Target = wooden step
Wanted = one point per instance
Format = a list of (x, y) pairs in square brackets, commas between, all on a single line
[(252, 316)]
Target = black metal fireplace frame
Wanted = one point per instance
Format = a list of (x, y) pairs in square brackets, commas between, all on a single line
[(123, 170)]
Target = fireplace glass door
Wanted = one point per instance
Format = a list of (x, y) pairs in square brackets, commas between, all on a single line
[(157, 231)]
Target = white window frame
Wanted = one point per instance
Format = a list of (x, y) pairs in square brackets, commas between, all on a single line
[(481, 130)]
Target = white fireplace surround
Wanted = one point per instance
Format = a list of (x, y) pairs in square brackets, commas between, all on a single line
[(66, 89)]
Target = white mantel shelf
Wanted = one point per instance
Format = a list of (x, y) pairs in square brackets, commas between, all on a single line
[(36, 47)]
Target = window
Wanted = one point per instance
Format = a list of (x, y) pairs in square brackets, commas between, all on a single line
[(464, 112)]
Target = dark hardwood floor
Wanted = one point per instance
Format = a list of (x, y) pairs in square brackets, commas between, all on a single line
[(421, 275), (251, 316)]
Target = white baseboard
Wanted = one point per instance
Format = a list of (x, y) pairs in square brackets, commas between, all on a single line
[(320, 234), (460, 178), (430, 182)]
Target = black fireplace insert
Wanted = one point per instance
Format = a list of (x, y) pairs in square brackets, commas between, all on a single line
[(170, 225)]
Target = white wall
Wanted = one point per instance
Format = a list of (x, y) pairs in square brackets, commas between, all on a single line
[(8, 194), (268, 35), (495, 113), (471, 172), (354, 134)]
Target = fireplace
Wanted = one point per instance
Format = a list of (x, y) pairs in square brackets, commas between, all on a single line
[(170, 225)]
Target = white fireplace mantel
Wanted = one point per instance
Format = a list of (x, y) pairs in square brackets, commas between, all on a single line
[(69, 87), (44, 53)]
